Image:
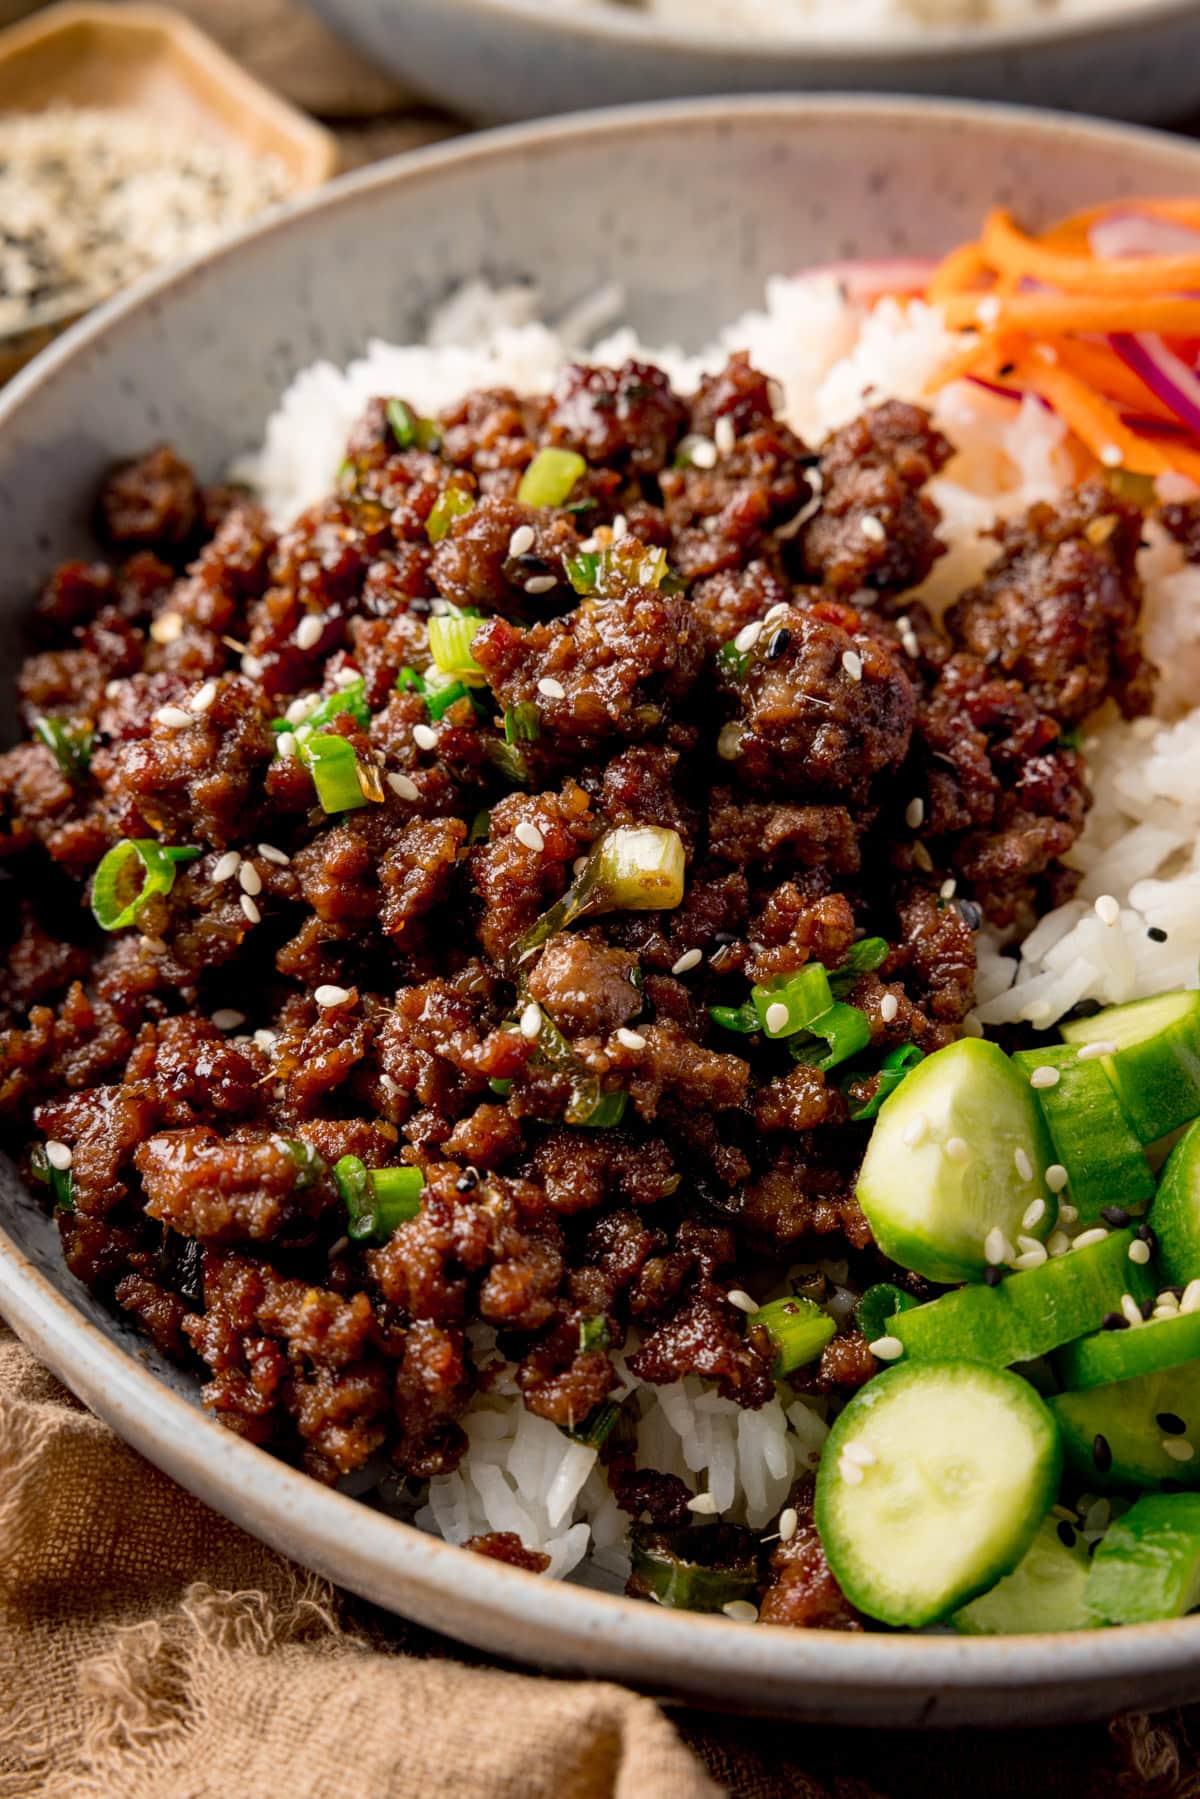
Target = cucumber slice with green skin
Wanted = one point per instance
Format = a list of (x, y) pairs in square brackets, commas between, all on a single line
[(1148, 1348), (1176, 1211), (944, 1165), (932, 1485), (1148, 1565), (1043, 1593), (1112, 1437), (1155, 1069), (1029, 1313), (1094, 1141)]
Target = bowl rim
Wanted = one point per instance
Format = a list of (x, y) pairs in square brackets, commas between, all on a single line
[(626, 27), (236, 1477)]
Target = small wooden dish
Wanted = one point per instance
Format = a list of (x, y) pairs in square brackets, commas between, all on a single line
[(149, 59)]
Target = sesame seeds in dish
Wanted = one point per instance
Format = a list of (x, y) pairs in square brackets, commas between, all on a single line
[(608, 879)]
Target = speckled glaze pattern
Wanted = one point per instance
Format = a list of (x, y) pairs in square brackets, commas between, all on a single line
[(498, 60), (749, 188)]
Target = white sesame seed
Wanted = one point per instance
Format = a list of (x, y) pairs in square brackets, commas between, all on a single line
[(203, 697), (789, 1523), (729, 741), (303, 733), (521, 540), (251, 667), (737, 1296), (702, 452), (1023, 1165), (1112, 456), (227, 867), (1056, 1177), (777, 612), (579, 864), (852, 663), (1108, 910), (948, 889), (285, 743), (724, 435), (167, 627), (174, 717), (958, 1150), (300, 709), (872, 528), (620, 527), (914, 813), (541, 583), (889, 1005), (631, 1039), (346, 677), (553, 690), (249, 879), (850, 1472), (887, 1349), (861, 1453), (777, 1017), (1058, 1243), (264, 1040), (1178, 1448), (689, 959), (111, 689), (531, 1020), (910, 643), (1091, 1052), (58, 1154), (330, 995), (424, 737), (1045, 1076), (1034, 1214), (748, 636), (1131, 1311), (1191, 1298), (987, 311), (528, 834), (702, 1503), (1168, 1301), (227, 1019), (1031, 1258), (308, 631), (269, 853), (1088, 1239), (402, 787), (1139, 1252), (741, 1611), (916, 1131), (251, 910), (995, 1247)]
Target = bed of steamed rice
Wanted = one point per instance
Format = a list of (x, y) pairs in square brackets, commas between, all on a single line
[(1141, 845)]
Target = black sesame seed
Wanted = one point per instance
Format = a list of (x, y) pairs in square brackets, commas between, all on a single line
[(531, 564), (1170, 1424), (1147, 1309), (466, 1183), (1066, 1535), (992, 1276), (778, 644), (1101, 1454), (970, 913), (1117, 1216), (1114, 1321), (1145, 1234), (1156, 934)]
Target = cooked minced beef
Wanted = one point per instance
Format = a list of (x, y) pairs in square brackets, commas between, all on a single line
[(316, 985)]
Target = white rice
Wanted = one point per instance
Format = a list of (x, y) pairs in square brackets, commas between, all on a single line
[(1141, 845)]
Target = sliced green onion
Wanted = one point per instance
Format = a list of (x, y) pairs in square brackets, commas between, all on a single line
[(845, 1029), (450, 637), (550, 477), (593, 1334), (57, 1179), (598, 1426), (864, 956), (351, 700), (70, 743), (791, 1003), (892, 1070), (310, 1165), (442, 692), (522, 723), (378, 1200), (663, 1573), (798, 1329), (735, 1018), (595, 1110), (333, 764), (403, 421), (131, 872), (1130, 486), (501, 1088), (481, 826), (346, 480), (634, 868), (454, 502), (508, 760), (409, 681), (732, 662), (878, 1306), (583, 571)]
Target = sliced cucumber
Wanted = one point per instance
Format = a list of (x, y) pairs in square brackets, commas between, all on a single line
[(1176, 1210), (932, 1485), (1043, 1593), (1155, 1068), (1029, 1313), (1113, 1437), (958, 1151), (1148, 1565), (1093, 1140), (1109, 1356)]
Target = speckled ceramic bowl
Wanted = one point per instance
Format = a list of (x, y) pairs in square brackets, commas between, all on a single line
[(521, 59), (690, 207)]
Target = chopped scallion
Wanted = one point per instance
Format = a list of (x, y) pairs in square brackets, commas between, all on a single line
[(378, 1200), (131, 872), (522, 723), (878, 1306), (735, 1018), (333, 764), (790, 1004), (481, 826), (845, 1029), (450, 643), (798, 1329), (550, 477), (595, 1111), (593, 1334), (351, 699), (665, 1574), (454, 502), (583, 571), (70, 744), (633, 868), (892, 1070), (57, 1179), (732, 662), (310, 1164), (403, 422), (864, 956), (598, 1426)]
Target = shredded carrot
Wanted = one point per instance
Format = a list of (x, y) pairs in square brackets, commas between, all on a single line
[(1053, 315), (959, 271), (1093, 420), (1010, 252), (1097, 365), (1073, 232)]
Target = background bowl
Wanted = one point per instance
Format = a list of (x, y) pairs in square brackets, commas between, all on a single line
[(518, 59), (748, 188)]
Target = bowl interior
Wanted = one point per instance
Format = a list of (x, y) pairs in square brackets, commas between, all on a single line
[(689, 208)]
